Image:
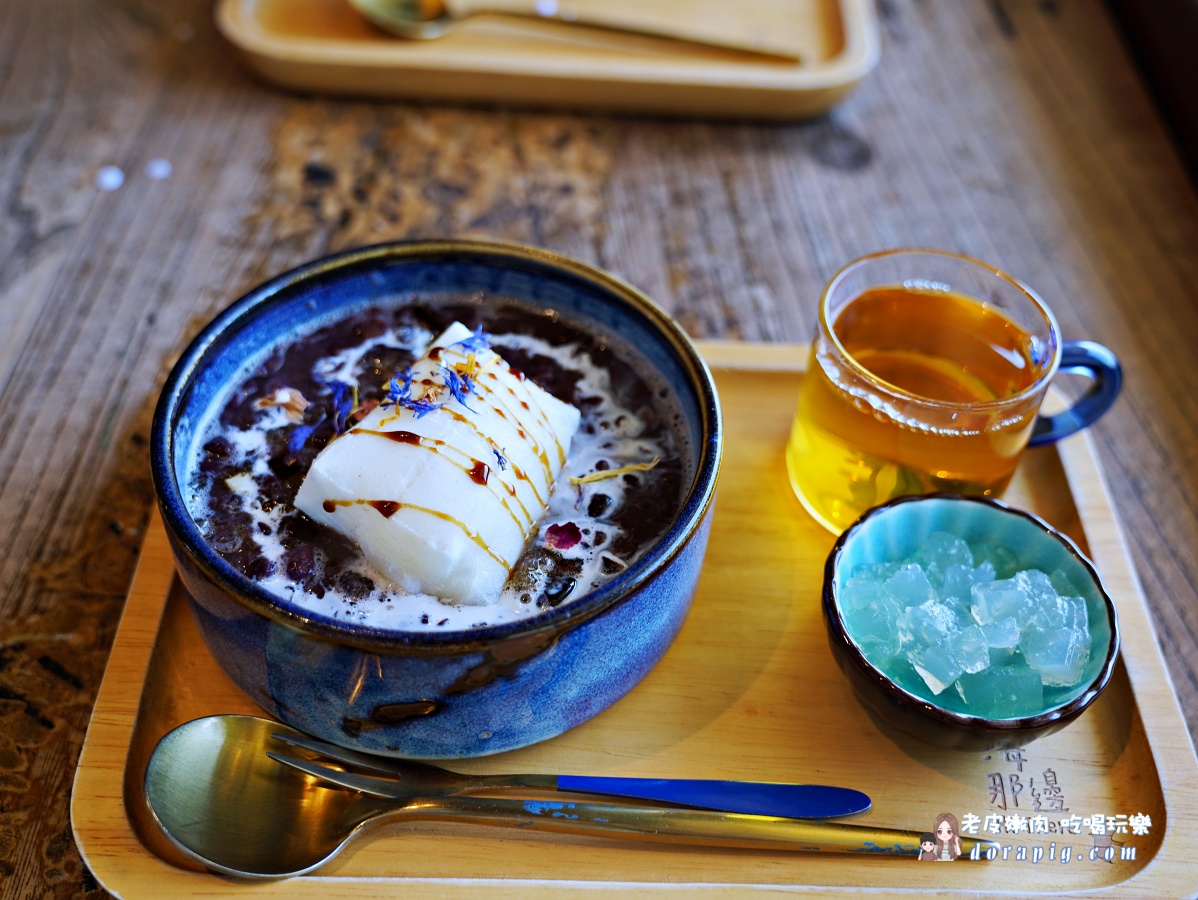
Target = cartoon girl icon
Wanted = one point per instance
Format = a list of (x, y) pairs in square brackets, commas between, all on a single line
[(948, 839)]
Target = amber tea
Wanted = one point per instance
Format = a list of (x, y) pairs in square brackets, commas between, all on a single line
[(926, 374), (851, 449), (937, 344)]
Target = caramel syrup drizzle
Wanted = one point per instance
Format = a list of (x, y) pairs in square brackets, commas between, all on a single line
[(473, 425), (477, 470), (506, 411), (388, 508), (516, 470), (508, 407)]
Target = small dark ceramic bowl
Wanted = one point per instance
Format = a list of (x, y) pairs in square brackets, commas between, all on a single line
[(439, 694), (891, 532)]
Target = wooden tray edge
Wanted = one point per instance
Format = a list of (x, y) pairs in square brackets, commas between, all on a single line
[(1160, 710), (97, 795), (120, 862)]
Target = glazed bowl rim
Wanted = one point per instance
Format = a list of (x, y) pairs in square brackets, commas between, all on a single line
[(692, 509), (880, 681)]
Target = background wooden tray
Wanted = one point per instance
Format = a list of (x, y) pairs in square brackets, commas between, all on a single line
[(324, 46), (749, 690)]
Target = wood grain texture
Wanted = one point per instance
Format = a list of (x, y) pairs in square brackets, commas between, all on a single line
[(1012, 130)]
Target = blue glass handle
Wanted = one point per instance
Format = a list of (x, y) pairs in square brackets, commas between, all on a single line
[(792, 801), (1106, 378)]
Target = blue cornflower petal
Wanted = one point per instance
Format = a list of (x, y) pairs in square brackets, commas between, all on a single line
[(300, 436), (477, 342), (399, 388), (343, 404), (421, 407), (501, 459), (458, 386)]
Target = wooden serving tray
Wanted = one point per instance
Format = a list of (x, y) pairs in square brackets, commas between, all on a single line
[(749, 690), (325, 46)]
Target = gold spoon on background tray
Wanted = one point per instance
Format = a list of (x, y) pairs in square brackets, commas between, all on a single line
[(217, 796), (770, 27)]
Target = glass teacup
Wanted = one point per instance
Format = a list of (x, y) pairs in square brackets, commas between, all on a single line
[(926, 373)]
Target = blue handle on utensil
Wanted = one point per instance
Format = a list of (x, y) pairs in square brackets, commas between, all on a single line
[(1100, 365), (792, 801)]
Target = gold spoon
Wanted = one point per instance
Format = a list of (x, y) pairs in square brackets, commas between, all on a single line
[(719, 26), (404, 779), (218, 797)]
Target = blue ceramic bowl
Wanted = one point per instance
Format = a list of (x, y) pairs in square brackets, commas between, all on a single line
[(439, 694), (892, 532)]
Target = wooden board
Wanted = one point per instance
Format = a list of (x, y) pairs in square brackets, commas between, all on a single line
[(325, 46), (748, 690)]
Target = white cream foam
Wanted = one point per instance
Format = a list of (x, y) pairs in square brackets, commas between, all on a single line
[(616, 436)]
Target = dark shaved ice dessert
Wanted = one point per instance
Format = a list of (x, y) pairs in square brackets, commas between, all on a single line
[(617, 493)]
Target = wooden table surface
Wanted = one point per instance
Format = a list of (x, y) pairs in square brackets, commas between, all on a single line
[(1013, 130)]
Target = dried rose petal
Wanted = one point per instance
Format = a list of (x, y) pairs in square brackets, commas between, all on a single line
[(562, 537)]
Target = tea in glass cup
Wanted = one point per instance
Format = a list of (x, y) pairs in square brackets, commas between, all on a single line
[(926, 374)]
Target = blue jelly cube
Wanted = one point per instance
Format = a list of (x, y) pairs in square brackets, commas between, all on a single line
[(993, 601), (1060, 655), (959, 581), (937, 665), (940, 550), (1063, 612), (927, 623), (1003, 634), (970, 648), (1003, 692), (909, 586)]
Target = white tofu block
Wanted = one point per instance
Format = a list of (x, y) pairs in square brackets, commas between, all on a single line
[(441, 492)]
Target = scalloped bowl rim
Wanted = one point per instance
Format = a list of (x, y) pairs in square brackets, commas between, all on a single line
[(1065, 710)]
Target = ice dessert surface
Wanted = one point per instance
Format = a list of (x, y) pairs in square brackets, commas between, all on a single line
[(442, 484), (278, 493)]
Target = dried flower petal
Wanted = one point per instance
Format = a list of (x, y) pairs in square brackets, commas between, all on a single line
[(399, 393), (301, 434), (292, 402), (345, 398), (562, 537), (458, 385), (604, 474), (476, 343)]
